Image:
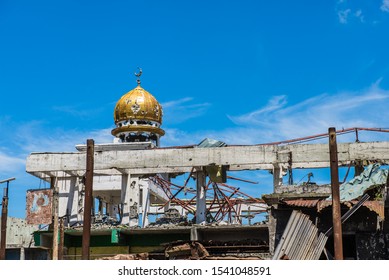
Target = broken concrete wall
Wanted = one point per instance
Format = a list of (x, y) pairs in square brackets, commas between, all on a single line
[(19, 233), (277, 223), (305, 188)]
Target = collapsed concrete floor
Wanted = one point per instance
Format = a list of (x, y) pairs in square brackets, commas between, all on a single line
[(229, 241)]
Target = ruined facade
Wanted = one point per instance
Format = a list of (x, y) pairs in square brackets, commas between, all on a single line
[(131, 183)]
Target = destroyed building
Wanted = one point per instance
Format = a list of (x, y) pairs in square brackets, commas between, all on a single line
[(364, 206), (132, 183), (20, 243)]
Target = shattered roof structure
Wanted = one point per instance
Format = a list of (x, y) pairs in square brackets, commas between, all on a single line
[(370, 178)]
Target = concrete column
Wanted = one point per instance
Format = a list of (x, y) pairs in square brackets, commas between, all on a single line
[(105, 208), (158, 141), (272, 230), (200, 198), (167, 207), (277, 177), (145, 205), (68, 199), (238, 213), (71, 202), (113, 210), (130, 200), (22, 254)]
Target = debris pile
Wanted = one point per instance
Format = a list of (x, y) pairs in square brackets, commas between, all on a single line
[(104, 221), (216, 250), (171, 217), (130, 257), (185, 251)]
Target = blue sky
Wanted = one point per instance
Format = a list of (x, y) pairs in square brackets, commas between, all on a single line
[(243, 72)]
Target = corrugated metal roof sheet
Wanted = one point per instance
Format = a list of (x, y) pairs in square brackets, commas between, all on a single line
[(310, 203), (375, 206), (301, 240), (371, 177), (209, 143)]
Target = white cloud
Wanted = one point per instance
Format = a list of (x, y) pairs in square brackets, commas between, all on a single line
[(181, 110), (78, 111), (256, 116), (279, 120), (346, 15), (10, 164), (60, 140), (385, 6), (343, 15), (316, 114), (358, 14), (174, 103)]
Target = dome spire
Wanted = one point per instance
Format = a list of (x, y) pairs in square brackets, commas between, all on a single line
[(138, 75)]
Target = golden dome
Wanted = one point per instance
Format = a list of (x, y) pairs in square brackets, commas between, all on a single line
[(138, 111), (138, 104)]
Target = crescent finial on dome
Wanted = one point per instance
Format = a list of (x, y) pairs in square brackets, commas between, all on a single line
[(138, 75)]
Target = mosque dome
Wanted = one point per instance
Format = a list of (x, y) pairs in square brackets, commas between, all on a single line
[(138, 117)]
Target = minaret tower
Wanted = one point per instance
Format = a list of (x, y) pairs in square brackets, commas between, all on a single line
[(138, 116)]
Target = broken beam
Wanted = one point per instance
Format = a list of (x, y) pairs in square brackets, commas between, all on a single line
[(237, 157)]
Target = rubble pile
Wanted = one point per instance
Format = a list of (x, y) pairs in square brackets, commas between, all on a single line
[(171, 217), (130, 257)]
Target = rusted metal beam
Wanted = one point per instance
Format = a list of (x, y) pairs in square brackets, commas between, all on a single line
[(336, 213), (242, 180), (54, 187), (4, 214), (323, 135), (88, 199), (4, 217)]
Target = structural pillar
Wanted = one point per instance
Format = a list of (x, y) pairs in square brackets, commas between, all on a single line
[(200, 197), (61, 238), (71, 202), (88, 199), (22, 253), (336, 212), (4, 214), (145, 206), (130, 200), (54, 187), (113, 209), (277, 177)]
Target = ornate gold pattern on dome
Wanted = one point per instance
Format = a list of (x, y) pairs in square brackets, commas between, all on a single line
[(155, 130), (138, 104)]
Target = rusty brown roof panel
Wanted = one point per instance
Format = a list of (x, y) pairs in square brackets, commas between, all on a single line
[(309, 203), (375, 206)]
